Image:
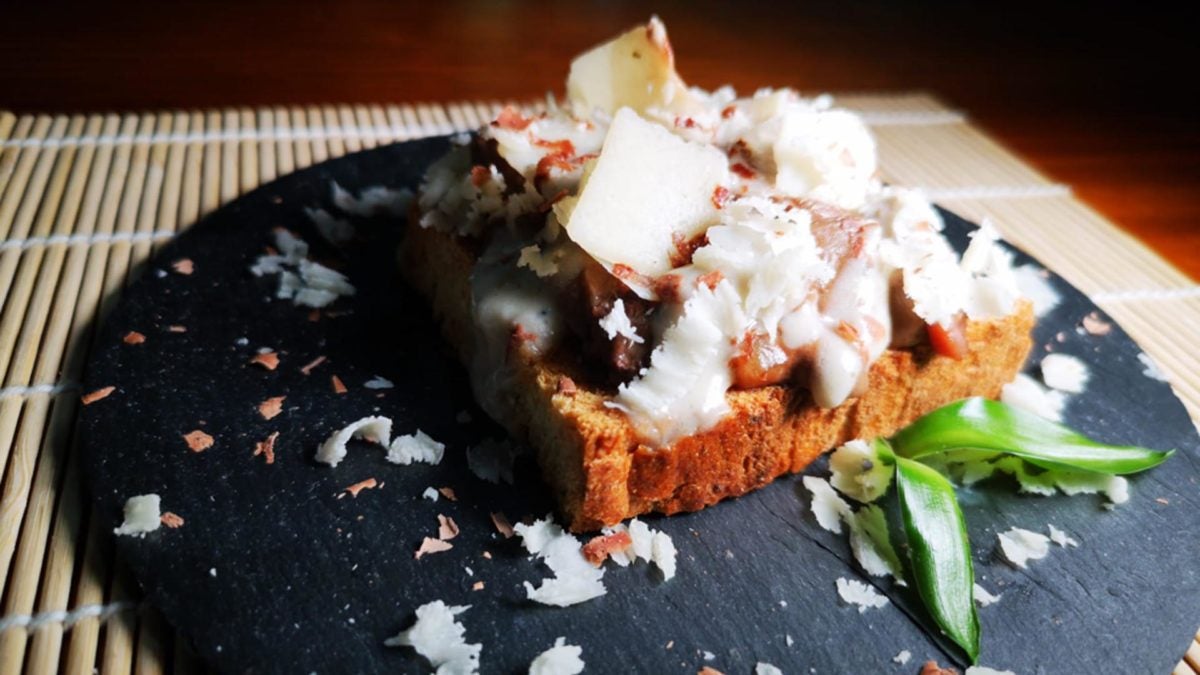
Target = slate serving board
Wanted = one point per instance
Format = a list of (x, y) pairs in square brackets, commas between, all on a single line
[(277, 569)]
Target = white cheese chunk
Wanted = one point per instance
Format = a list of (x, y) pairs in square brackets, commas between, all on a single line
[(824, 155), (373, 429), (863, 596), (764, 668), (561, 659), (903, 657), (1064, 373), (575, 580), (142, 515), (416, 447), (647, 189), (1020, 546), (441, 639), (617, 323), (636, 69), (1061, 538), (984, 597)]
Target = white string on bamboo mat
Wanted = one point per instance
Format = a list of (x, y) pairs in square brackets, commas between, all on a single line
[(873, 118), (66, 618), (88, 239), (38, 389), (1141, 294), (1027, 191)]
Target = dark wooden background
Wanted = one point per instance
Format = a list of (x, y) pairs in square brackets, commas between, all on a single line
[(1097, 96)]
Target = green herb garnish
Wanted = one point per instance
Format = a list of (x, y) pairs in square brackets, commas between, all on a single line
[(939, 551)]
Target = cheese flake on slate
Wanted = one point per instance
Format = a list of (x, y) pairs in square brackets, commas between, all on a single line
[(983, 670), (431, 494), (416, 447), (561, 659), (984, 597), (1020, 546), (1065, 373), (441, 639), (1025, 393), (378, 382), (333, 229), (575, 580), (1034, 284), (1150, 368), (142, 515), (662, 554), (827, 506), (1116, 488), (373, 429), (903, 657), (646, 543), (764, 668), (373, 201), (857, 593), (1061, 538), (616, 322)]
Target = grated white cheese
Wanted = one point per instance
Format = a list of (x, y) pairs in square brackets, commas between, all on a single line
[(1020, 546), (561, 659), (983, 670), (142, 515), (1064, 373), (983, 597), (662, 554), (334, 230), (764, 668), (616, 322), (1024, 392), (431, 494), (301, 280), (1061, 538), (709, 656), (863, 596), (373, 429), (541, 264), (1116, 488), (828, 508), (416, 447), (374, 200), (378, 382), (441, 639), (1034, 284), (575, 580), (903, 657), (1150, 369)]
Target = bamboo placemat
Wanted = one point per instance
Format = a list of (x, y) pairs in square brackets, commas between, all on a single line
[(84, 200)]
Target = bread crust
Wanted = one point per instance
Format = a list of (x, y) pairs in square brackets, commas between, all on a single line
[(601, 474)]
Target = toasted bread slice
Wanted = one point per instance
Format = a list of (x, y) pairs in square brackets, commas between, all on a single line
[(601, 474)]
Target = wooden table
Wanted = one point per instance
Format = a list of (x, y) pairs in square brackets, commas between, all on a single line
[(1080, 93)]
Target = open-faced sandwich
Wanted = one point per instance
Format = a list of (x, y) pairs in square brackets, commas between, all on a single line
[(677, 295)]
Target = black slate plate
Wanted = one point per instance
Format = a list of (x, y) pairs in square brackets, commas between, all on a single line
[(277, 570)]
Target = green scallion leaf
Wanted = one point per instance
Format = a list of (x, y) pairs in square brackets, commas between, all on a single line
[(980, 424), (939, 551)]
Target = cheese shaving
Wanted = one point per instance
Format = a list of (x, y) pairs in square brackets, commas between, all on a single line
[(575, 580), (1061, 538), (373, 429), (903, 657), (764, 668), (441, 639), (1020, 546), (863, 596), (1024, 392), (983, 597), (983, 670), (142, 515), (616, 322), (375, 200), (416, 447), (1064, 373), (561, 659)]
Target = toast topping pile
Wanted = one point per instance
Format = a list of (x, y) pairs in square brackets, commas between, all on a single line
[(681, 242)]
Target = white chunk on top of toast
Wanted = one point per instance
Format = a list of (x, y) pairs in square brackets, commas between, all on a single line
[(635, 69), (648, 189)]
